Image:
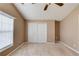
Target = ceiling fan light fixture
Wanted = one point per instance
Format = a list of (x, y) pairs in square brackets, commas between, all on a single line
[(59, 4), (22, 3)]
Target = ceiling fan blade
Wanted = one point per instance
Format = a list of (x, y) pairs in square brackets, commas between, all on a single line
[(33, 3), (49, 3), (22, 3), (59, 4), (46, 6)]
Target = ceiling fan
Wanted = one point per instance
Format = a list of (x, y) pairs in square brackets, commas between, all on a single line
[(46, 6)]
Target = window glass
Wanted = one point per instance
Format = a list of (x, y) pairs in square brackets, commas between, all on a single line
[(6, 32)]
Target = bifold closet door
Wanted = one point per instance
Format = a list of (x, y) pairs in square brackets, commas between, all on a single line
[(32, 32), (42, 32), (37, 32)]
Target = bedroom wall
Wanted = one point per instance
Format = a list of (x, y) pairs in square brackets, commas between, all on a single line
[(18, 26), (69, 29), (57, 31)]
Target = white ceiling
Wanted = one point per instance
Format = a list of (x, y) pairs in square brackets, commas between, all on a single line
[(54, 12)]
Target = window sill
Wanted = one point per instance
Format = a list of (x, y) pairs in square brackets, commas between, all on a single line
[(3, 49)]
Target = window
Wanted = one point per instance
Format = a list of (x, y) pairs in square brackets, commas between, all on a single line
[(6, 31)]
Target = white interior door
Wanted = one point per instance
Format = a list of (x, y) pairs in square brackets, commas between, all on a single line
[(32, 32), (42, 33), (37, 32)]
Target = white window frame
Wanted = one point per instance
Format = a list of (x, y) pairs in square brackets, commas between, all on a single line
[(9, 16)]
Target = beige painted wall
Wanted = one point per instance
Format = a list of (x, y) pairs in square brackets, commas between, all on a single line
[(18, 25), (69, 29), (50, 29), (57, 31)]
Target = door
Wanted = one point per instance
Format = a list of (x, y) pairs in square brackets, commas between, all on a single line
[(32, 32), (37, 32)]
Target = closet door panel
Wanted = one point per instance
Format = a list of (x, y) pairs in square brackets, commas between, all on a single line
[(42, 33), (37, 32), (32, 32)]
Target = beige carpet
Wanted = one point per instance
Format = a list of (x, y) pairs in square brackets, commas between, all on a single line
[(46, 49)]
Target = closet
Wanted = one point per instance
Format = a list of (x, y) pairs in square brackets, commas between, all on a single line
[(37, 32)]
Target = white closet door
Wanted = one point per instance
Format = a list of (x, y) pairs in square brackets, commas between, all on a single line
[(42, 33), (37, 32), (32, 32)]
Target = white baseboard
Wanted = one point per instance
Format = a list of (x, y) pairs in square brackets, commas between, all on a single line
[(40, 43), (69, 47), (16, 49)]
